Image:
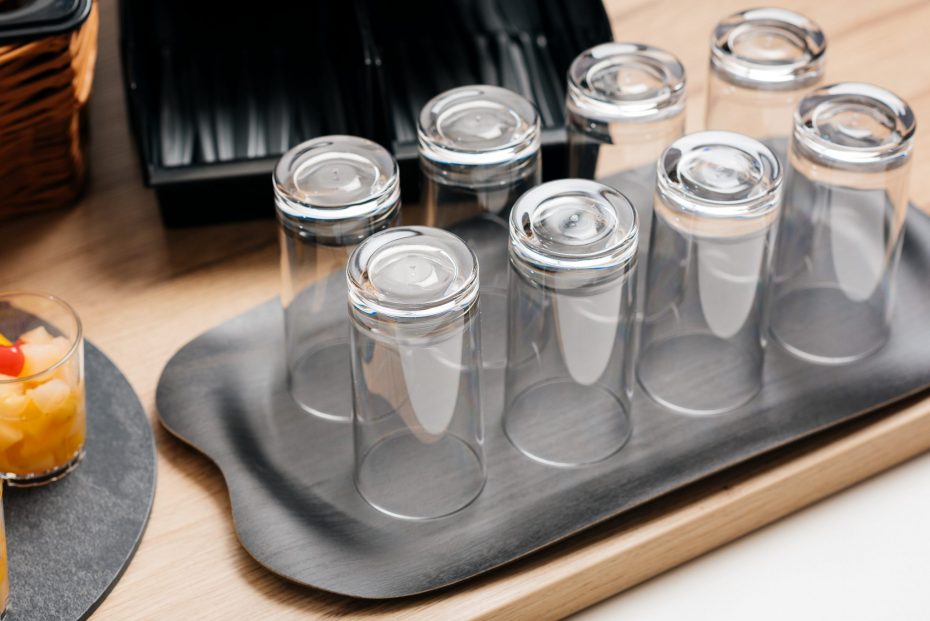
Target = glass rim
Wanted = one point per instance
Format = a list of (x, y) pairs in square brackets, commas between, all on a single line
[(452, 303), (370, 208), (73, 346), (441, 150), (677, 197), (586, 100), (617, 250), (816, 147), (804, 33)]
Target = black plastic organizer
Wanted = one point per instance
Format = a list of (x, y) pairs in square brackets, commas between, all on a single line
[(216, 95)]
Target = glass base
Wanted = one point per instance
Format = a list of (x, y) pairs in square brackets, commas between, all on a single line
[(326, 365), (407, 478), (43, 478), (699, 374), (563, 423), (824, 326)]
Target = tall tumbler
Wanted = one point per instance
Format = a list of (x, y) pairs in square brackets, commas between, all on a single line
[(330, 193), (842, 224), (703, 334), (413, 298), (479, 152), (573, 249), (762, 62), (625, 103)]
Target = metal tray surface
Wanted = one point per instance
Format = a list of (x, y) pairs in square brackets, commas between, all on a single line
[(290, 475)]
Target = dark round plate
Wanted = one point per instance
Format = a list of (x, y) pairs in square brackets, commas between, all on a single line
[(70, 541)]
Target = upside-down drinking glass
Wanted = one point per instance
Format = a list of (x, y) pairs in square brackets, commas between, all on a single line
[(573, 253), (762, 62), (330, 193), (479, 149), (417, 423), (842, 225), (703, 333), (626, 104)]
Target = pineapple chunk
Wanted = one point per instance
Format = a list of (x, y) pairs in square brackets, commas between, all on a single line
[(41, 356), (9, 388), (9, 435), (13, 406), (50, 396), (36, 336)]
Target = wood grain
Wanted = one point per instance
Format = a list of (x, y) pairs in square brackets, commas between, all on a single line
[(143, 292)]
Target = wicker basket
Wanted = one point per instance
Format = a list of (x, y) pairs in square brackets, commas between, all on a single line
[(44, 86)]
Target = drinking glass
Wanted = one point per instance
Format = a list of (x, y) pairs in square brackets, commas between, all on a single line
[(479, 152), (703, 333), (43, 420), (842, 224), (762, 62), (330, 194), (573, 249), (626, 103), (418, 431)]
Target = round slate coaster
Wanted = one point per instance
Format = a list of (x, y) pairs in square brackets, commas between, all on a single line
[(69, 542)]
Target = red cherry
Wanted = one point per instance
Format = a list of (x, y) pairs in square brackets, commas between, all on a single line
[(11, 361)]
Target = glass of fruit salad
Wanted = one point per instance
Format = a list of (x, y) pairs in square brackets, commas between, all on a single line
[(43, 419)]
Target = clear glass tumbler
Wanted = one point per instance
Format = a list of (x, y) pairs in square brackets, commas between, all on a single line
[(762, 62), (330, 193), (573, 249), (703, 333), (842, 223), (419, 437), (43, 419), (479, 150), (626, 104)]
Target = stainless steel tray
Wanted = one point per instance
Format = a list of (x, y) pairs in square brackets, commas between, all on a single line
[(290, 475)]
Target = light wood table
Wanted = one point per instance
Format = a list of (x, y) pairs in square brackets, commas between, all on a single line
[(143, 292)]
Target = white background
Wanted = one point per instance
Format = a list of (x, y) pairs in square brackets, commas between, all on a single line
[(862, 555)]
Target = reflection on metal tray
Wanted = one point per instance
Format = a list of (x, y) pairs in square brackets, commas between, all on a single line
[(290, 475)]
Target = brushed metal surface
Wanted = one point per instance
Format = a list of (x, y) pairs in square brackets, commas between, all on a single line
[(289, 474)]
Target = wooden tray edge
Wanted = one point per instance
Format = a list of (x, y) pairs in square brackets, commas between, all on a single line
[(718, 512), (620, 554)]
